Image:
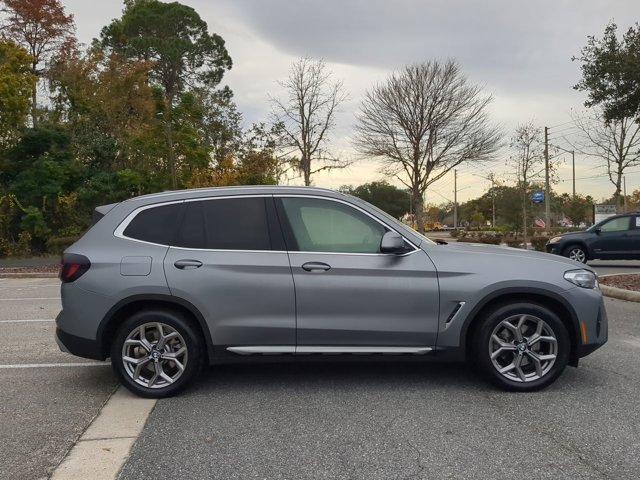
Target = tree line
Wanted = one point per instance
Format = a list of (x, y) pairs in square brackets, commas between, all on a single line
[(143, 108)]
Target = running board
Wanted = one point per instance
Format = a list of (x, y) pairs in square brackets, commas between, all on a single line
[(334, 350)]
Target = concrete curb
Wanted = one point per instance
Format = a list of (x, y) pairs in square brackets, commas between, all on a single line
[(619, 293), (29, 275), (104, 447)]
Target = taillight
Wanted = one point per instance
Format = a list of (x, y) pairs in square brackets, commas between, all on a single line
[(73, 267)]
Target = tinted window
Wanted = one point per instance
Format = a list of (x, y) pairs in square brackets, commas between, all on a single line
[(225, 224), (619, 224), (156, 224), (327, 226)]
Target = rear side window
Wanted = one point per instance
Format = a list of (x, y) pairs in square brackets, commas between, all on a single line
[(155, 225), (226, 224)]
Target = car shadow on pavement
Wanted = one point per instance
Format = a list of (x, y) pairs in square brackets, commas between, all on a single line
[(339, 374)]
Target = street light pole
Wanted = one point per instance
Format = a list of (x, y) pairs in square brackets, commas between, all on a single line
[(455, 198)]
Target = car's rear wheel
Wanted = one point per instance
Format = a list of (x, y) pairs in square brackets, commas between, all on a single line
[(576, 252), (522, 346), (156, 353)]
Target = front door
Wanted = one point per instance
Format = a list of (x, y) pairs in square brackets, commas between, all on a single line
[(230, 262), (348, 294), (613, 240)]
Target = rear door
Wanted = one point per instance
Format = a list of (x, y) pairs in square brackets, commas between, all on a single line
[(230, 262), (634, 236), (348, 294)]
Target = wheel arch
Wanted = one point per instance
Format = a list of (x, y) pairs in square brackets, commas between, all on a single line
[(580, 243), (551, 300), (130, 305)]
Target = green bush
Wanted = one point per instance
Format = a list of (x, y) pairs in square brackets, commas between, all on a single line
[(59, 244), (513, 241), (539, 243)]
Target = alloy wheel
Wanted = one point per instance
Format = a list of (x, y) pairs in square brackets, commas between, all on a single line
[(578, 255), (154, 355), (523, 348)]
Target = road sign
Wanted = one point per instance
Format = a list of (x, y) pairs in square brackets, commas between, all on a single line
[(537, 197), (602, 211)]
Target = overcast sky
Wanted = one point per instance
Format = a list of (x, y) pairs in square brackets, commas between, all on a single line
[(519, 51)]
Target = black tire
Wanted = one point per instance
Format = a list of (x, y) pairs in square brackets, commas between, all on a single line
[(175, 321), (577, 251), (481, 347)]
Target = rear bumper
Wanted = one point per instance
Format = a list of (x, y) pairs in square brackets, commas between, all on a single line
[(81, 347)]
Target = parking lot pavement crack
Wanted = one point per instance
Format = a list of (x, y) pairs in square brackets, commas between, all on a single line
[(418, 462), (562, 443)]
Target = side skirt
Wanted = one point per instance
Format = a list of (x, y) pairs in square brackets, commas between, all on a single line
[(326, 350)]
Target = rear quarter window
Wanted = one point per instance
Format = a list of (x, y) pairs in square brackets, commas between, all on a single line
[(155, 224)]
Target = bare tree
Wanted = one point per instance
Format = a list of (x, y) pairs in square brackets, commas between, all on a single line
[(527, 162), (615, 143), (422, 122), (306, 116)]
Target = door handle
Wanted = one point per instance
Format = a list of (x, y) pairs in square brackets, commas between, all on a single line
[(316, 267), (187, 264)]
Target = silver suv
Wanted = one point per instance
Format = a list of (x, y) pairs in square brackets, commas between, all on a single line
[(166, 283)]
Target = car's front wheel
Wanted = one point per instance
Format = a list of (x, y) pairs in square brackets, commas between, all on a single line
[(576, 252), (522, 346), (156, 353)]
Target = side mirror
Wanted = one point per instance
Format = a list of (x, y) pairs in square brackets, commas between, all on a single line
[(392, 242), (598, 231)]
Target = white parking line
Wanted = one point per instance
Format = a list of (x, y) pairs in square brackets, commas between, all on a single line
[(31, 320), (34, 285), (27, 299), (52, 365), (104, 446)]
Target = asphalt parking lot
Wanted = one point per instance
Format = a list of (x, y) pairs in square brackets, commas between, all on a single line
[(323, 420)]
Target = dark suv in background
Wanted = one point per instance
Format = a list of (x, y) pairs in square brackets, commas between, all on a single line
[(615, 238)]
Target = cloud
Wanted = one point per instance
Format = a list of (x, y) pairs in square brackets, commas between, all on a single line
[(519, 50)]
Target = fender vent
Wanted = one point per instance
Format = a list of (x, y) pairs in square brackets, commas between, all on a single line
[(454, 312)]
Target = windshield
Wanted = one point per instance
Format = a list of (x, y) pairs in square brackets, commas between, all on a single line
[(393, 220)]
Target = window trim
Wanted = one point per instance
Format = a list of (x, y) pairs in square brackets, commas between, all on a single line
[(119, 231)]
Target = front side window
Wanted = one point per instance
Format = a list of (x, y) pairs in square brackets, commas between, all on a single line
[(318, 225), (619, 224), (155, 224), (225, 224)]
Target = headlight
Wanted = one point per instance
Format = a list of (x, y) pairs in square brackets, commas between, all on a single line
[(555, 239), (582, 278)]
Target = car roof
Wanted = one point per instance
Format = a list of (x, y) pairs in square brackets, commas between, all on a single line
[(234, 190)]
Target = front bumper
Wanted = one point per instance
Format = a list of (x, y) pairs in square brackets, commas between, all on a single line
[(600, 333), (553, 248), (593, 324)]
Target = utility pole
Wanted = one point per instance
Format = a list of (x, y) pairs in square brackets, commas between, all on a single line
[(455, 198), (573, 168), (547, 200)]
